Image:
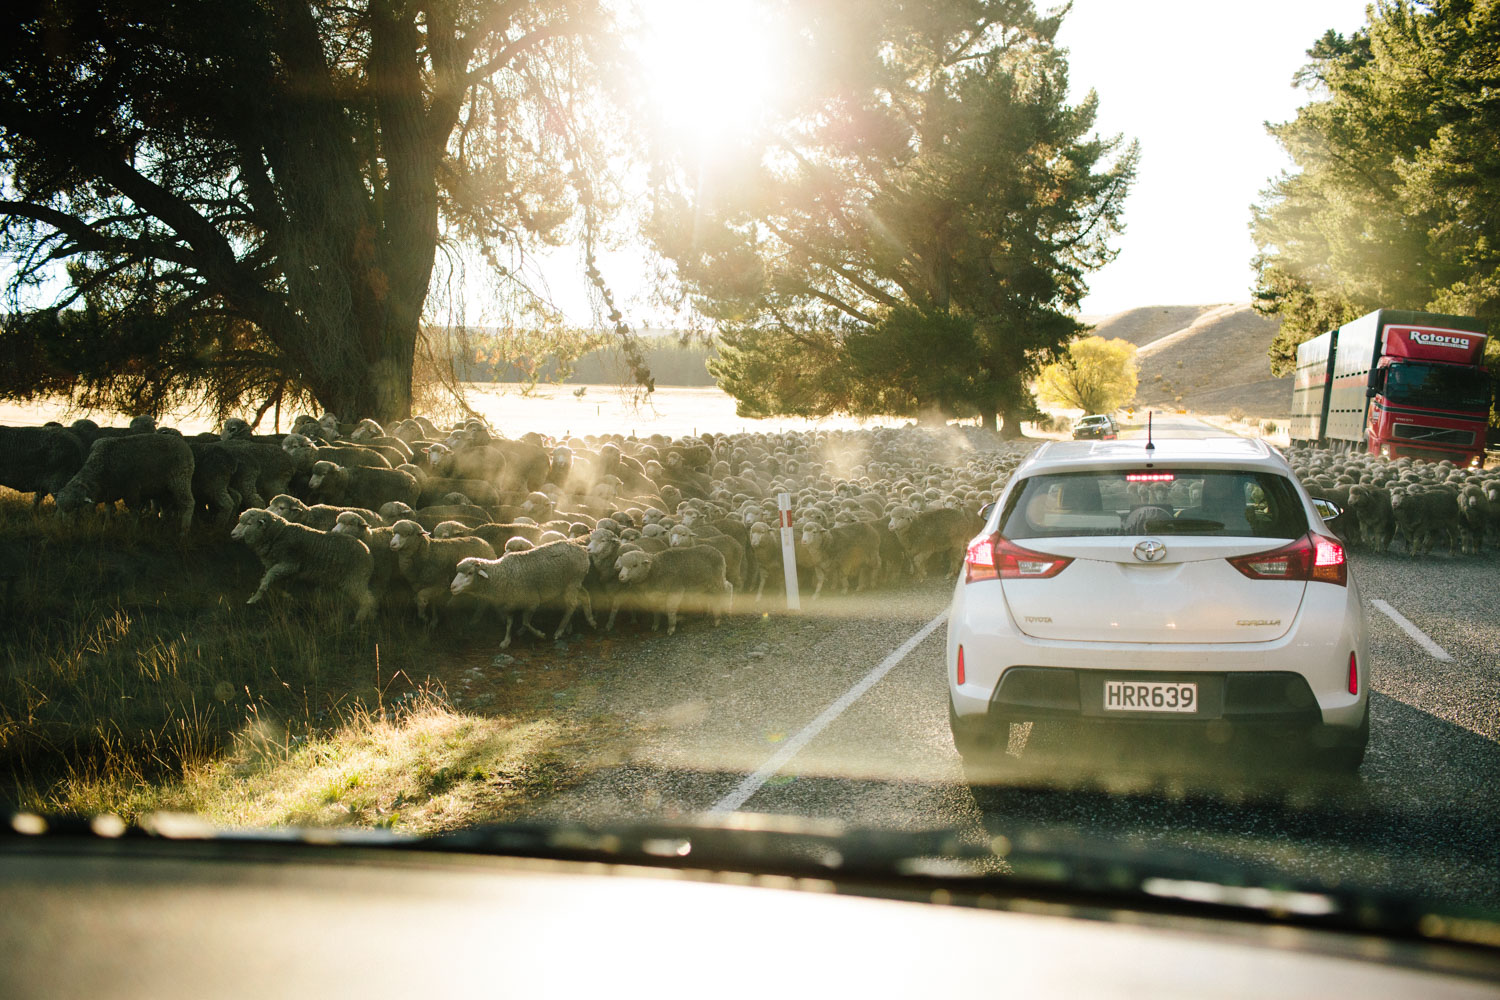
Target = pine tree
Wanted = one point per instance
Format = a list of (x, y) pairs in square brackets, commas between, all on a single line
[(915, 234)]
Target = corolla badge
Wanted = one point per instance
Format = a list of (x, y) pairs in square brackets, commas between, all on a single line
[(1150, 550)]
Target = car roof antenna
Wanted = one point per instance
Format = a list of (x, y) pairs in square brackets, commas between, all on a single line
[(1149, 445)]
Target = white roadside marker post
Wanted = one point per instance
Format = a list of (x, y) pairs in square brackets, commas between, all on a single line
[(788, 552)]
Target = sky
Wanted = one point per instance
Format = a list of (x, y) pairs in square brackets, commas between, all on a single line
[(1194, 81)]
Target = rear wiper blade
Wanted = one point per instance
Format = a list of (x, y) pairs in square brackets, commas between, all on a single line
[(1169, 525)]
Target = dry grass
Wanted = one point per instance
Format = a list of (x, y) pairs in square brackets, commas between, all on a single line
[(1214, 363), (421, 767), (133, 678)]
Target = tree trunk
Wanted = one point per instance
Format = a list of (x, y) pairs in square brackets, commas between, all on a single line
[(988, 420), (384, 394), (1010, 425)]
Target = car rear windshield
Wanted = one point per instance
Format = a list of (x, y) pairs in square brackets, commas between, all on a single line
[(1214, 502)]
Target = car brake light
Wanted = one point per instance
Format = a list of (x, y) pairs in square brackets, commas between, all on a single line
[(979, 564), (1329, 564), (1353, 670), (1150, 477), (991, 557), (1313, 557), (961, 665)]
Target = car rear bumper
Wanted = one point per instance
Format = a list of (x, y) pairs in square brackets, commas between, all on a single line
[(1300, 678)]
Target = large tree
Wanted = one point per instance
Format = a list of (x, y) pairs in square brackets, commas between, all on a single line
[(1395, 199), (250, 196), (915, 233)]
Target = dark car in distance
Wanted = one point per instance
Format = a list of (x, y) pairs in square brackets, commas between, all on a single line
[(1096, 426)]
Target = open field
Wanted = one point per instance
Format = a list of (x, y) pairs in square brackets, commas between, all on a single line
[(557, 410)]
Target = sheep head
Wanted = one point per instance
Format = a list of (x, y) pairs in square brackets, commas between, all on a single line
[(300, 447), (72, 497), (256, 525), (902, 518), (350, 523), (602, 543), (285, 506), (407, 536), (394, 510), (468, 570), (449, 529), (325, 472), (633, 566), (814, 535)]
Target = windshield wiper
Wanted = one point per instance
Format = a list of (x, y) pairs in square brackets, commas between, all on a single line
[(1028, 863)]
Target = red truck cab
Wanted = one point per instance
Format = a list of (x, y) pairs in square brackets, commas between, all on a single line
[(1429, 397), (1397, 384)]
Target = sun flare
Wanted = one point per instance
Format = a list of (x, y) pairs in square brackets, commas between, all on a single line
[(712, 66)]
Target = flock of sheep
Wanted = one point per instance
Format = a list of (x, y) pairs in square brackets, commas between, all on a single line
[(1426, 503), (440, 523)]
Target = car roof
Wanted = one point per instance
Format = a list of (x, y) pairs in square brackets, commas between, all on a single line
[(1094, 416), (1212, 452)]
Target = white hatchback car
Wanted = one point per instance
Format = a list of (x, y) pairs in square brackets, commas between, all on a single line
[(1188, 583)]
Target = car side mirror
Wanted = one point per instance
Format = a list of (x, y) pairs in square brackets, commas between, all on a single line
[(986, 511), (1371, 392), (1327, 509)]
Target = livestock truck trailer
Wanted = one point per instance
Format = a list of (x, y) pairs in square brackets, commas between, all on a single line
[(1395, 383)]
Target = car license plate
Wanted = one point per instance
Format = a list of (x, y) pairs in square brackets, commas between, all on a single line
[(1150, 696)]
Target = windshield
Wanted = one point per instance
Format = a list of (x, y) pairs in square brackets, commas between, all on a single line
[(1131, 502), (426, 418), (1439, 387)]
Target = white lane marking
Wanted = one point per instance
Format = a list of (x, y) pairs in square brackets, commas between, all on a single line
[(793, 746), (1418, 636)]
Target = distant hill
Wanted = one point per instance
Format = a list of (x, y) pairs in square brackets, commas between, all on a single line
[(1208, 358), (1213, 356), (1144, 324)]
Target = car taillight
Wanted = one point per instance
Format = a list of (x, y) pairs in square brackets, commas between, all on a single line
[(979, 563), (960, 671), (1353, 670), (991, 557), (1329, 564), (1313, 557)]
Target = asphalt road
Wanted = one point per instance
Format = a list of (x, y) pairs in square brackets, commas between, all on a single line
[(1167, 424), (710, 707)]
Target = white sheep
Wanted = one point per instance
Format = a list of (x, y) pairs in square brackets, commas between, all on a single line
[(551, 574)]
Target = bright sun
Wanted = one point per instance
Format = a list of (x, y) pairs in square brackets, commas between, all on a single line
[(711, 65)]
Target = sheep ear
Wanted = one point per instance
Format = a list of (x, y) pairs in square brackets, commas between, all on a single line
[(484, 574)]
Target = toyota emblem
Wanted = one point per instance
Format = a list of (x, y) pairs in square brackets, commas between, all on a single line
[(1150, 551)]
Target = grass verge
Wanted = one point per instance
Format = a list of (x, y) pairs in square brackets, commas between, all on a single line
[(133, 678)]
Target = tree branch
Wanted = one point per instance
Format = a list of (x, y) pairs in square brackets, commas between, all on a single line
[(85, 237)]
